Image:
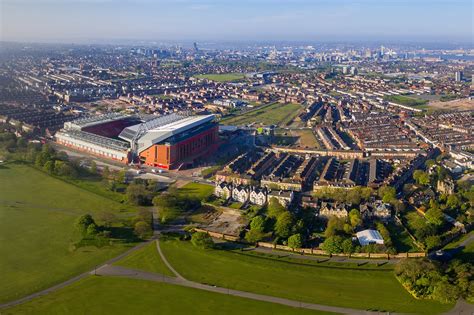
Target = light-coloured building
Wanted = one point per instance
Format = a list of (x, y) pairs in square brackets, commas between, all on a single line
[(258, 196), (241, 194), (335, 209), (367, 237)]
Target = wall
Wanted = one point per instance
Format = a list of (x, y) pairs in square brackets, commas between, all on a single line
[(313, 251)]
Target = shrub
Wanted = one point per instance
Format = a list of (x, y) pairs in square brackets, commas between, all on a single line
[(202, 240)]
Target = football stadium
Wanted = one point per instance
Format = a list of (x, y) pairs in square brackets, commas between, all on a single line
[(168, 142)]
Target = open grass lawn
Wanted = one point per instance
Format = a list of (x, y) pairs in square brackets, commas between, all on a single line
[(401, 239), (306, 138), (406, 100), (146, 258), (361, 289), (272, 114), (221, 77), (197, 190), (110, 295), (37, 213)]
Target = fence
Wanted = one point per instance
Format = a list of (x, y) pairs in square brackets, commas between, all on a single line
[(314, 251)]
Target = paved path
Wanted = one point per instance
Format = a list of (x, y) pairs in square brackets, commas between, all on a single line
[(462, 308), (180, 280), (70, 281), (110, 270)]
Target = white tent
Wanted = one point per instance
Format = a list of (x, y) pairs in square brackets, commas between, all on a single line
[(366, 237)]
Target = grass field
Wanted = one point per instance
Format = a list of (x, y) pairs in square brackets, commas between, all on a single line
[(37, 213), (361, 289), (406, 100), (272, 114), (110, 295), (221, 77), (147, 259), (197, 190), (306, 138)]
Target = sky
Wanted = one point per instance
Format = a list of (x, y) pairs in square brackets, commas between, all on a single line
[(236, 20)]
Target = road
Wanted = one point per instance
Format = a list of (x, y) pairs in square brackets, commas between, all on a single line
[(167, 177)]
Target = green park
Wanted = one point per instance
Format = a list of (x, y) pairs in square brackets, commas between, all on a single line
[(271, 114)]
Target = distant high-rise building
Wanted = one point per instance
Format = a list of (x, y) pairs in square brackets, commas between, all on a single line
[(353, 70), (458, 76), (195, 45)]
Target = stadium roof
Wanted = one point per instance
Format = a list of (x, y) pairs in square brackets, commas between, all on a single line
[(161, 128), (366, 237), (94, 120)]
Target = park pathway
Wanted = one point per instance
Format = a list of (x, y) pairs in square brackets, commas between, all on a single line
[(180, 280), (110, 270)]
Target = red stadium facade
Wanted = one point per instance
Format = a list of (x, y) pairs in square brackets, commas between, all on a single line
[(168, 142), (173, 155)]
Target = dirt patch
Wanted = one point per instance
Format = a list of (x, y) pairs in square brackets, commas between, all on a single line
[(229, 222), (461, 104)]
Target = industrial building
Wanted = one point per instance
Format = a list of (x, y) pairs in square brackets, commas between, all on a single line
[(168, 142)]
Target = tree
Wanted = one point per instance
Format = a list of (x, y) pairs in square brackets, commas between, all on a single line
[(121, 176), (430, 163), (445, 292), (333, 244), (92, 230), (422, 178), (137, 194), (347, 246), (258, 223), (355, 218), (432, 241), (295, 241), (142, 229), (418, 276), (253, 236), (274, 208), (64, 169), (435, 216), (453, 201), (108, 218), (106, 173), (93, 168), (384, 233), (202, 240), (49, 167), (335, 225), (283, 224), (83, 222), (353, 196), (387, 193)]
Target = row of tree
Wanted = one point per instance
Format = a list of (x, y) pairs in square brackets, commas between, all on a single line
[(426, 279)]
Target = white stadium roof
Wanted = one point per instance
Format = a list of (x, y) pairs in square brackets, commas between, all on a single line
[(161, 128)]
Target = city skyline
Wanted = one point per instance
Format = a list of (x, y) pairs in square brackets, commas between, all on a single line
[(301, 20)]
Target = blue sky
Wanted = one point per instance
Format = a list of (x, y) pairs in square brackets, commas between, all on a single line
[(84, 20)]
